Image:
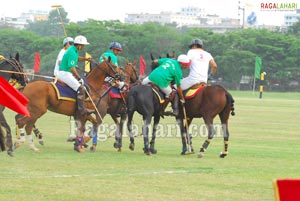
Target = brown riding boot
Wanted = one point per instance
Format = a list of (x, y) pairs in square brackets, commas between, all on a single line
[(175, 110), (80, 110)]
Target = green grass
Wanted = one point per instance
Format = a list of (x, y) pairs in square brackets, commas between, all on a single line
[(264, 145)]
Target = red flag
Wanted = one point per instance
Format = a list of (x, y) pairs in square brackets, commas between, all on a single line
[(287, 189), (142, 66), (37, 60), (12, 98)]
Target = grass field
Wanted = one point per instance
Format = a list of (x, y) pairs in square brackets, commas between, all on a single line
[(264, 145)]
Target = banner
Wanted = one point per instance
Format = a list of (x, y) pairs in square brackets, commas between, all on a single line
[(87, 67), (286, 189), (37, 60), (258, 64), (142, 66), (12, 98)]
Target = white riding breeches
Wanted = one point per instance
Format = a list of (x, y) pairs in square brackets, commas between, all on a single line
[(166, 90), (187, 82), (69, 79)]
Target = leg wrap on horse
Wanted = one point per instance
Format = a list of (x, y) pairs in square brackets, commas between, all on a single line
[(205, 145)]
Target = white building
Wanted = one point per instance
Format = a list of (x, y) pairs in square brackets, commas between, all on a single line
[(162, 18), (290, 19)]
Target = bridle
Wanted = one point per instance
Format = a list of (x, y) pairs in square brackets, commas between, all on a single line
[(17, 68)]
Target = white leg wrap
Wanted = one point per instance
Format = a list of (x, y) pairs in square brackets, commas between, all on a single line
[(31, 144)]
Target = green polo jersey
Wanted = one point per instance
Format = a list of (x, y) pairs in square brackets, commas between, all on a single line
[(114, 58), (69, 60), (168, 70)]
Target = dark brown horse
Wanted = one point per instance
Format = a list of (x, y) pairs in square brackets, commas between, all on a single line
[(42, 96), (9, 69), (115, 107), (207, 104)]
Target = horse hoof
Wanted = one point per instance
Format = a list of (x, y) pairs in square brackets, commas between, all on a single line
[(93, 149), (223, 155), (200, 154), (118, 145), (36, 150), (41, 141), (131, 146), (119, 150), (148, 153), (153, 151), (10, 153)]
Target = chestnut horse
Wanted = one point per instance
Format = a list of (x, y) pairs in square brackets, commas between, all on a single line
[(207, 104), (115, 107), (10, 69), (42, 97)]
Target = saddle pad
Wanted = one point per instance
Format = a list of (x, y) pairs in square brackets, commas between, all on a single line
[(190, 93), (113, 92), (159, 95), (64, 92)]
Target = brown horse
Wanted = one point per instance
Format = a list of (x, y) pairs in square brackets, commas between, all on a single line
[(115, 107), (10, 69), (42, 96), (207, 104)]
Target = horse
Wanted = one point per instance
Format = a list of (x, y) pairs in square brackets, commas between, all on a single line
[(42, 97), (142, 98), (10, 69), (211, 101), (115, 107)]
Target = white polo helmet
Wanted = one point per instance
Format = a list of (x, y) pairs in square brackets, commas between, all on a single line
[(68, 40), (81, 40), (184, 60)]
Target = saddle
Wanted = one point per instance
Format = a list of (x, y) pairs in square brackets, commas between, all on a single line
[(64, 92), (160, 95), (113, 92), (194, 90)]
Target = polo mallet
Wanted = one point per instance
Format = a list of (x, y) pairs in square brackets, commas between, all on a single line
[(187, 130), (93, 104), (60, 18)]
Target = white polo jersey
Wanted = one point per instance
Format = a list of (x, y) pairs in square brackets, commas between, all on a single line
[(200, 64)]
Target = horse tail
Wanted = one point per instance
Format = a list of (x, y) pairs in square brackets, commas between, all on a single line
[(131, 101), (230, 100)]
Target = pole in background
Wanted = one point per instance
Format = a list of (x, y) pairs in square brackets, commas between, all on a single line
[(262, 82), (60, 19)]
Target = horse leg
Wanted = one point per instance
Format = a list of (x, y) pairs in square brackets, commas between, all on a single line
[(152, 142), (20, 130), (117, 144), (226, 140), (184, 134), (146, 123), (211, 133), (79, 142), (129, 127), (38, 135), (28, 129)]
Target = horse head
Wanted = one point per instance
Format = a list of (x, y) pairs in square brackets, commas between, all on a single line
[(130, 72), (100, 71), (12, 68)]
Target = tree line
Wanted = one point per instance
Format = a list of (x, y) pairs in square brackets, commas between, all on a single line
[(234, 51)]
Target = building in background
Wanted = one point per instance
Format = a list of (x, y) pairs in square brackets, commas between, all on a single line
[(25, 18), (290, 19)]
